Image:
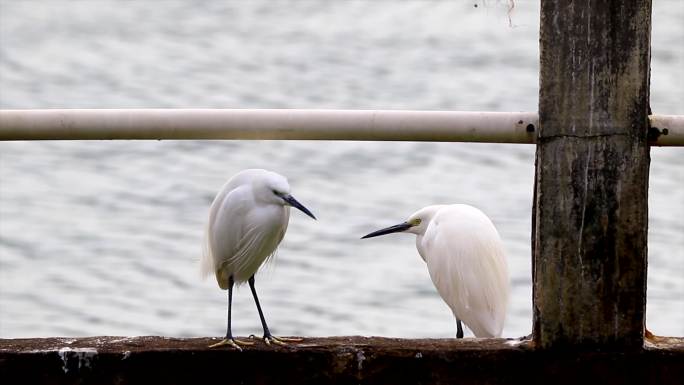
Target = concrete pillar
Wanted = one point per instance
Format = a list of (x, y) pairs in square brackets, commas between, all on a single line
[(591, 186)]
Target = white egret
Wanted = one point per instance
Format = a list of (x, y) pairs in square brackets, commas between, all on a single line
[(466, 261), (247, 221)]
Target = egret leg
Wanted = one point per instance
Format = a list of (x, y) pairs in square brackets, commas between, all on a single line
[(268, 337), (229, 340), (459, 329)]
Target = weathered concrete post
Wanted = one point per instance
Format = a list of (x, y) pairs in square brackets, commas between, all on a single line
[(591, 213)]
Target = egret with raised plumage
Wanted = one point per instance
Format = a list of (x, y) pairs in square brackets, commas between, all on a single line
[(247, 220)]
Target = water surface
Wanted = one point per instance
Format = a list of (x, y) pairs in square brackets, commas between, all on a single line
[(103, 238)]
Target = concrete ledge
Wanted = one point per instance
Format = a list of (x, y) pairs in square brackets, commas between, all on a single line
[(337, 360)]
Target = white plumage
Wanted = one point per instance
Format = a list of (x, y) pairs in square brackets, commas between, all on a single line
[(245, 225), (247, 221), (465, 257)]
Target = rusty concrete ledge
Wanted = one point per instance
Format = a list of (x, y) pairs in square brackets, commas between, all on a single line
[(337, 360)]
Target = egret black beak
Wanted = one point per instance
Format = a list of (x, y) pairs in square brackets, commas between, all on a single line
[(389, 230), (293, 202)]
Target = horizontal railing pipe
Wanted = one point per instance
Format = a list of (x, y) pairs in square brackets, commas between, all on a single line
[(268, 124), (282, 124)]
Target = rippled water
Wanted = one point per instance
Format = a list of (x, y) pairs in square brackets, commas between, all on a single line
[(102, 238)]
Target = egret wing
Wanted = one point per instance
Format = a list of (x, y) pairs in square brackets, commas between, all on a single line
[(224, 231), (209, 262)]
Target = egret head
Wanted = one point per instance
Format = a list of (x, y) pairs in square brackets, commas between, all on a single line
[(275, 189), (417, 223)]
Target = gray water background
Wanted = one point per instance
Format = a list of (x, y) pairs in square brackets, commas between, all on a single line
[(103, 238)]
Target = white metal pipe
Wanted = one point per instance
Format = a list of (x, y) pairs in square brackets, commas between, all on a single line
[(446, 126), (265, 124)]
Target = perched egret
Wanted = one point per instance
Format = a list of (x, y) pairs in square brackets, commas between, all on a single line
[(465, 258), (247, 221)]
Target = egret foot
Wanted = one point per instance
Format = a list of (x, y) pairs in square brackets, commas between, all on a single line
[(282, 341), (232, 342)]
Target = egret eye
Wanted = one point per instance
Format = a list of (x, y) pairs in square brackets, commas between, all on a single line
[(416, 221)]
